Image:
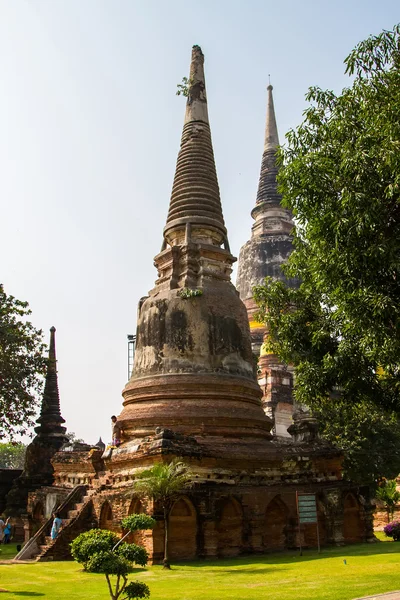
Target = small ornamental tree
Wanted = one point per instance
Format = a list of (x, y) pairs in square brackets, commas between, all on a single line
[(101, 551), (164, 483), (389, 496)]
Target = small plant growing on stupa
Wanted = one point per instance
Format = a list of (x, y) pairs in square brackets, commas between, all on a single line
[(101, 551), (186, 293), (393, 530), (183, 88)]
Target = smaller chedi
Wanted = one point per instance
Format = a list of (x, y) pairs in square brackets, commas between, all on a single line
[(262, 256), (49, 439)]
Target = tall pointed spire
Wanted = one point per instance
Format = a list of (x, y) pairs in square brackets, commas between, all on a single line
[(267, 186), (195, 200), (193, 368), (271, 240), (50, 419), (271, 141)]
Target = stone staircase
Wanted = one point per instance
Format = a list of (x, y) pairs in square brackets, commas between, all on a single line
[(76, 514)]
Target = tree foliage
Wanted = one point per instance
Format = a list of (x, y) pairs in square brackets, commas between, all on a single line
[(368, 435), (22, 366), (101, 551), (72, 441), (340, 176), (135, 590), (164, 483), (387, 493), (90, 542), (133, 553), (12, 455), (184, 87), (138, 522)]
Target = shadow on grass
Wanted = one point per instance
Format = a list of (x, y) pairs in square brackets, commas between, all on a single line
[(291, 556), (250, 572), (26, 594), (134, 569)]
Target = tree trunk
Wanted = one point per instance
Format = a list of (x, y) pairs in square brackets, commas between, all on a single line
[(112, 596), (166, 564), (121, 540)]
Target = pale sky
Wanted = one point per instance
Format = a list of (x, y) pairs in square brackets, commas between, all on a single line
[(90, 130)]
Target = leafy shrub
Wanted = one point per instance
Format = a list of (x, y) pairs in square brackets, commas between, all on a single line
[(136, 589), (86, 544), (108, 563), (102, 551), (136, 522), (393, 530), (387, 493), (133, 553)]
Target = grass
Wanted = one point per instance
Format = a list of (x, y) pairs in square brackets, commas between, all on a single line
[(7, 551), (370, 569)]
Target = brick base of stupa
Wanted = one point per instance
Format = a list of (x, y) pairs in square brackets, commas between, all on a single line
[(242, 500)]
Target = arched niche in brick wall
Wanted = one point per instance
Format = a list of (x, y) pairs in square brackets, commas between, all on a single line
[(136, 508), (38, 511), (275, 525), (229, 527), (183, 530), (352, 524), (37, 516), (106, 516)]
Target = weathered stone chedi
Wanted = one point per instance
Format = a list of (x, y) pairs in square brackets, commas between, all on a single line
[(194, 394), (50, 437), (271, 237), (262, 256), (194, 370)]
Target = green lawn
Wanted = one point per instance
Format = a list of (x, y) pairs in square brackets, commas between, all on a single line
[(7, 551), (370, 569)]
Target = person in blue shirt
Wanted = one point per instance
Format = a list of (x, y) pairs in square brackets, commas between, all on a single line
[(55, 530), (7, 532)]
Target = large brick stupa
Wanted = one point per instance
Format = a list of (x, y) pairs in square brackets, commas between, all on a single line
[(193, 394)]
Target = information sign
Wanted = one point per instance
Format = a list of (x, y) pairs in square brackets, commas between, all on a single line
[(307, 513), (307, 507)]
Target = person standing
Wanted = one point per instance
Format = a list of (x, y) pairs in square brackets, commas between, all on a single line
[(2, 525), (116, 431), (7, 532), (57, 523)]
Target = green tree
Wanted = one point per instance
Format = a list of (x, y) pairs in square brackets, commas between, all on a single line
[(101, 551), (12, 455), (340, 176), (387, 493), (22, 366), (72, 440), (164, 483), (368, 436)]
